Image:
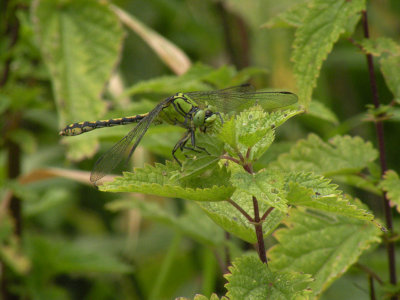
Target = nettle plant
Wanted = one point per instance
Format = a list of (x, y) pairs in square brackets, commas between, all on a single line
[(322, 222), (320, 230)]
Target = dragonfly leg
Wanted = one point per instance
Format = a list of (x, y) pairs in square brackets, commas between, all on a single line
[(219, 115), (193, 141), (179, 145)]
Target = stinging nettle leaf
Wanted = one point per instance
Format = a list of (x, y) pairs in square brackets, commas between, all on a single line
[(380, 46), (163, 180), (325, 21), (342, 155), (232, 221), (391, 185), (80, 42), (316, 192), (293, 17), (324, 246), (249, 278), (390, 67), (265, 185)]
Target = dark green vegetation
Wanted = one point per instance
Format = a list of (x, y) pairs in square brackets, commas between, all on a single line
[(309, 185)]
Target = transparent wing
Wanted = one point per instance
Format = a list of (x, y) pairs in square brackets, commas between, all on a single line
[(240, 97), (122, 151)]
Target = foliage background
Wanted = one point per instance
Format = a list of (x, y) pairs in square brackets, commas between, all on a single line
[(75, 246)]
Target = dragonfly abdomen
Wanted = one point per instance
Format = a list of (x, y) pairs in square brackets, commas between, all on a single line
[(82, 127)]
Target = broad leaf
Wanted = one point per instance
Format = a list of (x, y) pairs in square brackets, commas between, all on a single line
[(194, 80), (253, 129), (322, 26), (163, 180), (390, 67), (292, 17), (316, 192), (342, 155), (266, 186), (380, 46), (391, 185), (249, 278), (389, 50), (80, 43), (323, 246), (202, 297), (231, 220), (199, 161)]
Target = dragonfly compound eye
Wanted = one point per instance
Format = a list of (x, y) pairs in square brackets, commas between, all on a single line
[(209, 113), (199, 118)]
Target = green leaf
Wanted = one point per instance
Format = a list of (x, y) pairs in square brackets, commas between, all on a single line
[(275, 119), (292, 17), (319, 110), (163, 180), (228, 133), (342, 155), (199, 162), (80, 42), (322, 26), (202, 297), (232, 221), (316, 192), (192, 221), (389, 51), (170, 85), (391, 185), (266, 186), (249, 278), (253, 128), (321, 245), (364, 183), (380, 45), (197, 78), (390, 67)]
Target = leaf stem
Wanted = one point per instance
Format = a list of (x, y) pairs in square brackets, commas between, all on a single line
[(227, 252), (369, 272), (265, 215), (382, 157), (241, 210), (259, 233), (230, 158), (371, 288)]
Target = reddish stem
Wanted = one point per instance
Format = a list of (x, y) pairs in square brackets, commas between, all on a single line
[(382, 157)]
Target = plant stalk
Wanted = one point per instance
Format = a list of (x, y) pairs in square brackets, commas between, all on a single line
[(259, 233), (382, 157)]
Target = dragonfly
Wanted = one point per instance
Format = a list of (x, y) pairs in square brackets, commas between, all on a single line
[(191, 110)]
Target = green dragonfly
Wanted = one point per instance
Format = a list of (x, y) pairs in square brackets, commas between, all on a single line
[(192, 110)]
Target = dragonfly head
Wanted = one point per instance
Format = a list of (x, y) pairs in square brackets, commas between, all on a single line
[(204, 117)]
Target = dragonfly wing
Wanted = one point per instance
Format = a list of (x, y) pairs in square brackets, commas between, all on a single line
[(241, 97), (121, 150), (221, 99)]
